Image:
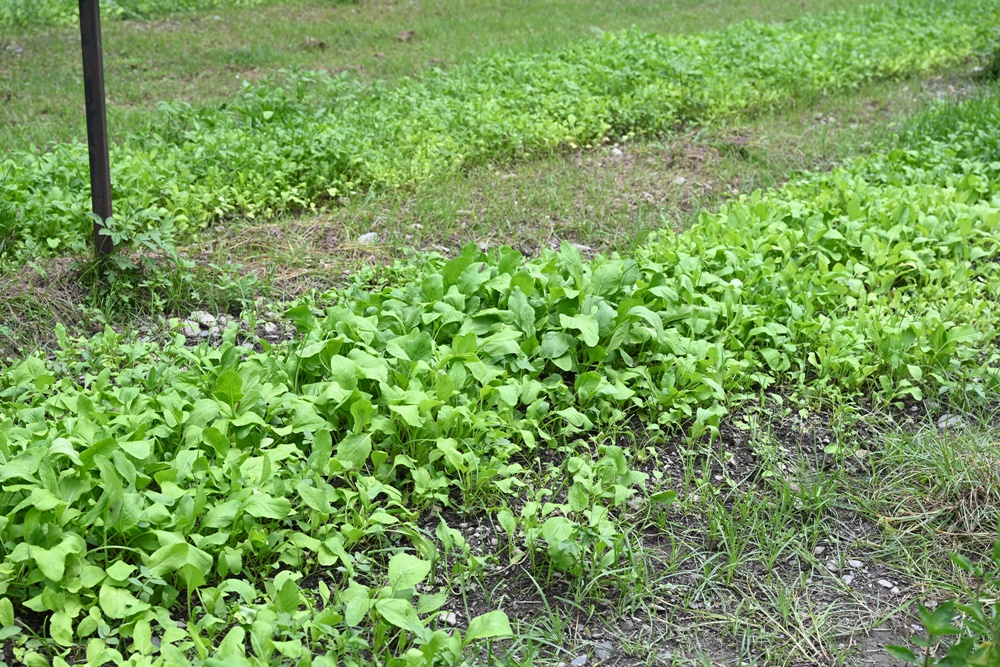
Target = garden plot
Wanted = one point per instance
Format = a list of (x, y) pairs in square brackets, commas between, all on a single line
[(759, 438)]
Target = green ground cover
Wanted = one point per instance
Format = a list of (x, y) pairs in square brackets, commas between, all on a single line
[(48, 12), (289, 504), (763, 440), (293, 146), (203, 57)]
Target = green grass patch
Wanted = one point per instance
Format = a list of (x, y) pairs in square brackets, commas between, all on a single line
[(235, 502), (202, 57), (19, 13), (313, 139)]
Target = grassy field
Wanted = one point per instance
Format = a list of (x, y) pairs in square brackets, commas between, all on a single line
[(721, 391), (205, 57)]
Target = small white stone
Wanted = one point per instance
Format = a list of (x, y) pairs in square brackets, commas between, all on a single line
[(206, 320), (833, 567), (270, 328), (818, 551), (848, 579), (894, 590), (884, 583), (190, 329), (368, 239), (579, 661), (448, 617), (680, 180), (854, 563), (949, 421)]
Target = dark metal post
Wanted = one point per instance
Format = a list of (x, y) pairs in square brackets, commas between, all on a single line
[(97, 121)]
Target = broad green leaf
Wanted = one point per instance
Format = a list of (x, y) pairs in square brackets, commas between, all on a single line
[(447, 446), (287, 596), (229, 388), (664, 497), (52, 562), (606, 278), (524, 314), (356, 603), (429, 603), (555, 344), (139, 450), (362, 412), (6, 613), (491, 624), (315, 498), (406, 571), (302, 318), (410, 413), (223, 515), (120, 571), (415, 346), (506, 520), (473, 277), (233, 644), (191, 563), (578, 498), (61, 628), (453, 269), (265, 506), (585, 324), (401, 614), (354, 449), (142, 637), (118, 603), (963, 334)]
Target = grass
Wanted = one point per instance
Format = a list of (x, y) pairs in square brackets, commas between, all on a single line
[(205, 57)]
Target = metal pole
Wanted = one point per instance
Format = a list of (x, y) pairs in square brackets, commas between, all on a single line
[(97, 121)]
